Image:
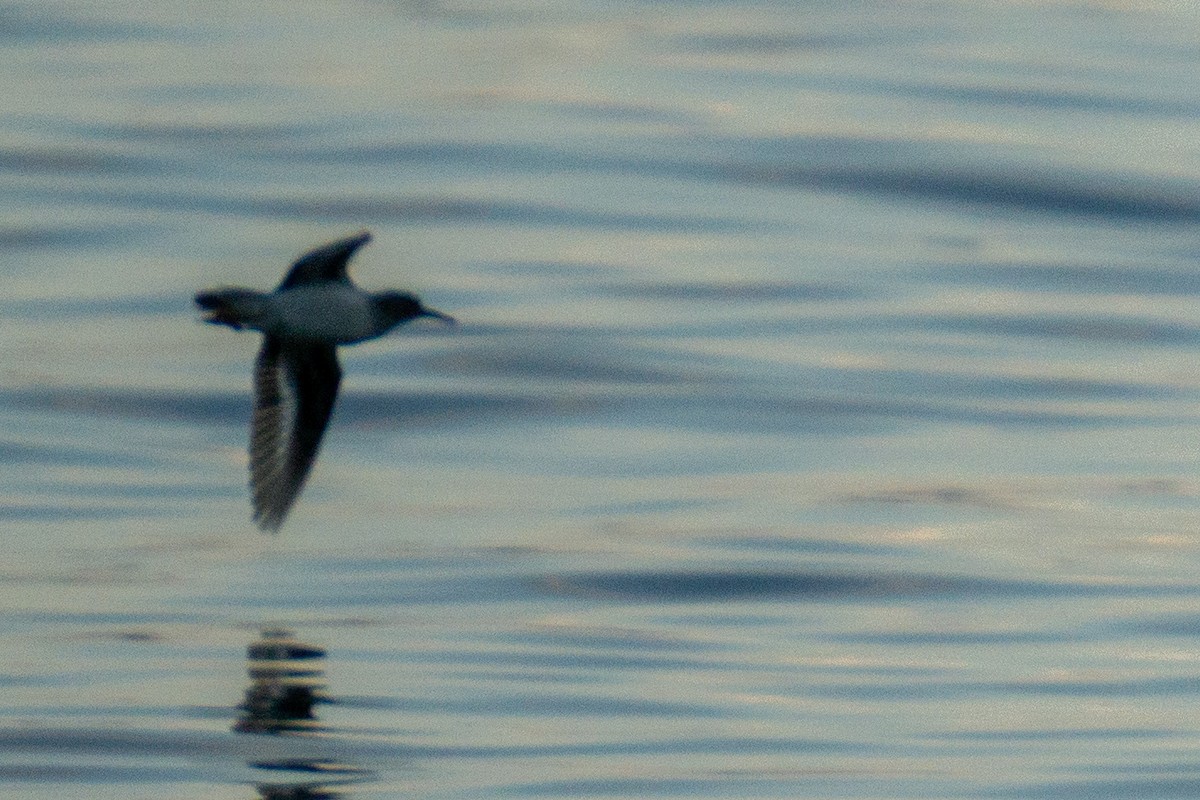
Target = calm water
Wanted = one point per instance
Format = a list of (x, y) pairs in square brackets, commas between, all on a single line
[(823, 422)]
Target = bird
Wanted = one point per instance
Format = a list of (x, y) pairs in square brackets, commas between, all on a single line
[(315, 309)]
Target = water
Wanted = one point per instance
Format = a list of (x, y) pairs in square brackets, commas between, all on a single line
[(822, 422)]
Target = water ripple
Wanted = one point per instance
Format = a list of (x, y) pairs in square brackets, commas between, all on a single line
[(739, 585), (910, 169), (1160, 788), (22, 26), (1075, 279), (378, 209)]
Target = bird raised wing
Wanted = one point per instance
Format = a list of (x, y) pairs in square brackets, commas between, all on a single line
[(326, 263)]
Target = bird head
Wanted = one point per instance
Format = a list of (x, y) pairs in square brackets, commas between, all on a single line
[(400, 307)]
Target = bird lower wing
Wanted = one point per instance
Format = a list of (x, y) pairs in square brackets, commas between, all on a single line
[(295, 388)]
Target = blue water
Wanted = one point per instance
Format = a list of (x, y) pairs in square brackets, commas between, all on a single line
[(822, 421)]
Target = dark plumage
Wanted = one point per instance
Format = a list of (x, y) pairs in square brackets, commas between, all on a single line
[(296, 376)]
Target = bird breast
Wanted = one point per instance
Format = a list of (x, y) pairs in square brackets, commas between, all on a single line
[(337, 314)]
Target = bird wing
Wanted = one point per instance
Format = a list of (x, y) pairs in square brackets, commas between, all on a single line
[(295, 387), (326, 263)]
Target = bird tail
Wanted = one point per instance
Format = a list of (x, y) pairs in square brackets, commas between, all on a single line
[(237, 308)]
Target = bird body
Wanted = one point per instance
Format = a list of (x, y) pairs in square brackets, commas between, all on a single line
[(335, 312), (296, 375)]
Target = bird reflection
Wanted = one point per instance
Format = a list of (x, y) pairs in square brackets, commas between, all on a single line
[(286, 685), (266, 792)]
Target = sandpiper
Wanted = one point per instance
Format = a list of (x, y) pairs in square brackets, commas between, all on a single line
[(296, 376)]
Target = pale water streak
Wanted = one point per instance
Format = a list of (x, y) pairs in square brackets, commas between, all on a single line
[(822, 422)]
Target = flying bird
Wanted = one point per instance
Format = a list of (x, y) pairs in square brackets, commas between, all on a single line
[(296, 376)]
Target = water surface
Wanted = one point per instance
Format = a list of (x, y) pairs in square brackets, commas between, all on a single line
[(822, 421)]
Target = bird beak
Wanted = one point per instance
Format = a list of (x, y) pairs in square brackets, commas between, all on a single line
[(446, 318)]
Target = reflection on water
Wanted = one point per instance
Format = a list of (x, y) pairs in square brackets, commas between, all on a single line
[(286, 684)]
